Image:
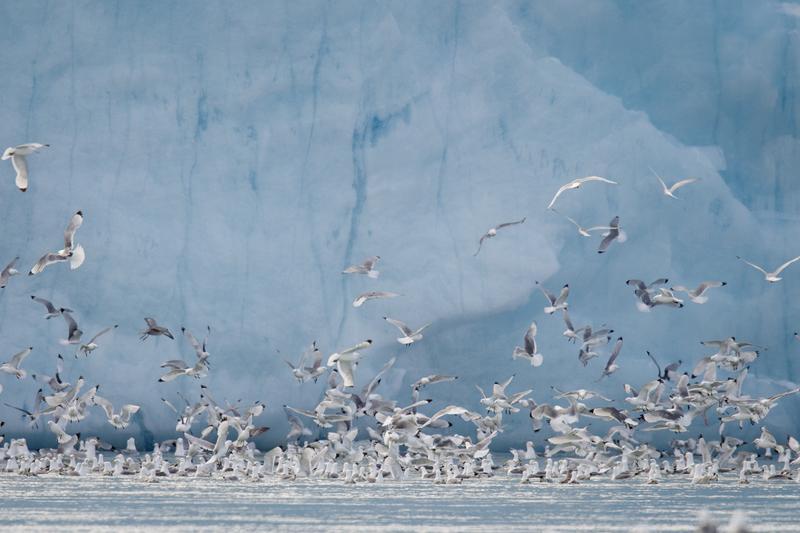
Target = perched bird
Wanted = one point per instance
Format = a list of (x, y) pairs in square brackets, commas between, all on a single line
[(615, 233), (367, 267), (372, 295), (52, 312), (154, 330), (530, 351), (493, 232), (669, 191), (92, 345), (409, 336), (73, 332), (697, 295), (577, 184), (772, 277), (12, 365), (8, 271), (555, 303), (71, 252), (17, 155)]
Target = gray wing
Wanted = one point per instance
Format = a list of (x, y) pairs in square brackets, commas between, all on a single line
[(530, 339), (404, 329), (69, 234), (506, 224), (103, 332), (613, 233), (614, 353), (46, 303)]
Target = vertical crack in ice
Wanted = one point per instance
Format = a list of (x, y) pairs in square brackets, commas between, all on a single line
[(360, 190), (443, 158)]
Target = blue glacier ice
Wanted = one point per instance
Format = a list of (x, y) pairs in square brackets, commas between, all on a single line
[(232, 157)]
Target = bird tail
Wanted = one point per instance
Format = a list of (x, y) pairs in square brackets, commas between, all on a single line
[(77, 257)]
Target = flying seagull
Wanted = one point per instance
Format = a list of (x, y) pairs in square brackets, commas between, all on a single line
[(771, 277), (670, 191), (367, 267), (493, 232), (530, 351), (615, 233), (71, 252), (409, 336), (17, 155), (577, 184), (8, 271), (372, 295)]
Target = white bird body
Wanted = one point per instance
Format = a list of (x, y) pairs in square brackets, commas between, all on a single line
[(530, 350), (372, 295), (697, 295)]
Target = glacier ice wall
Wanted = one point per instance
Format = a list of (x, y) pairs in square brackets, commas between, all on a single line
[(232, 157)]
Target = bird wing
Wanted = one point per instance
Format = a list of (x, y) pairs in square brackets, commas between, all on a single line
[(17, 358), (614, 353), (73, 225), (753, 265), (567, 321), (530, 338), (71, 324), (562, 297), (663, 185), (44, 261), (151, 322), (21, 167), (46, 303), (105, 405), (547, 294), (10, 265), (597, 178), (681, 183), (480, 244), (103, 332), (786, 264), (404, 329), (345, 368), (506, 224), (558, 193)]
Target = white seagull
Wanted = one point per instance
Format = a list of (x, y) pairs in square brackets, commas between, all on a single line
[(614, 233), (772, 277), (696, 295), (17, 155), (530, 351), (345, 361), (367, 267), (372, 295), (555, 303), (92, 345), (8, 271), (577, 184), (409, 336), (493, 232), (12, 365), (71, 252), (670, 191)]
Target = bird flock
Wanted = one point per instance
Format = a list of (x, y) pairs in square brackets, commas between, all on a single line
[(354, 434)]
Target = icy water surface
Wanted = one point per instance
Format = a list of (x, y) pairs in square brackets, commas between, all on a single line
[(97, 503)]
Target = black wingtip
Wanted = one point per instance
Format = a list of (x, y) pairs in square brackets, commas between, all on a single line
[(80, 212)]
